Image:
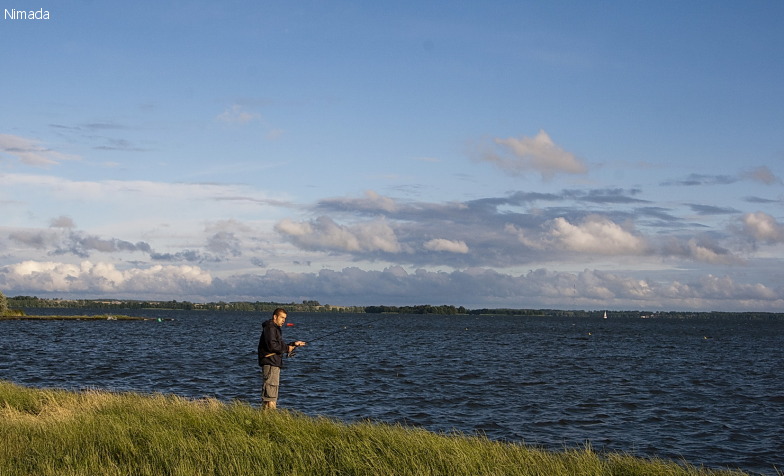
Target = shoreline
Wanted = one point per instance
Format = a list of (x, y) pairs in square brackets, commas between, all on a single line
[(103, 432), (96, 317)]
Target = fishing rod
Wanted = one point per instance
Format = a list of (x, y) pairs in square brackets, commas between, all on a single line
[(291, 354)]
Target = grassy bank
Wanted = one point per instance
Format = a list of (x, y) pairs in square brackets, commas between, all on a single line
[(56, 432)]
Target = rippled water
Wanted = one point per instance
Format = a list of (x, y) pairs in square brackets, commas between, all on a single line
[(709, 392)]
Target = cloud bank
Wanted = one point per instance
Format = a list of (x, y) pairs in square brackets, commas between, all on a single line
[(474, 287), (601, 247)]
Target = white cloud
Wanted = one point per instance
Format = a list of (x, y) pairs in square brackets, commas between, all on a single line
[(30, 152), (381, 202), (324, 234), (706, 254), (702, 249), (537, 153), (762, 227), (450, 246), (724, 287), (596, 235), (88, 277), (294, 229)]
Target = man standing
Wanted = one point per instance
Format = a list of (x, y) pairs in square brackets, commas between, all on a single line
[(271, 350)]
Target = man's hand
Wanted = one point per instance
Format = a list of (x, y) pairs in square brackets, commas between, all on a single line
[(296, 344)]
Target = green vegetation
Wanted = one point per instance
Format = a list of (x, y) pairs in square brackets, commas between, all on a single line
[(19, 315), (57, 432), (422, 309), (32, 302), (3, 305)]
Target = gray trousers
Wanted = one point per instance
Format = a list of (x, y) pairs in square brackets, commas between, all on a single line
[(269, 391)]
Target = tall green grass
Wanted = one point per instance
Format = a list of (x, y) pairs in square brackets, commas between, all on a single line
[(57, 432)]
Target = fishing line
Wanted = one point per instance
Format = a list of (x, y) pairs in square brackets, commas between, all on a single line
[(344, 328)]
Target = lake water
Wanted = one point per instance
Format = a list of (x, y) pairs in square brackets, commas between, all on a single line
[(709, 392)]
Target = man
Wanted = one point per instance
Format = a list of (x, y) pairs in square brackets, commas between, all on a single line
[(271, 350)]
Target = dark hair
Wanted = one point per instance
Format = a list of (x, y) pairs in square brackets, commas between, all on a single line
[(279, 311)]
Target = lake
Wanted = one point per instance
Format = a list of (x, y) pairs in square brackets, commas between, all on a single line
[(707, 391)]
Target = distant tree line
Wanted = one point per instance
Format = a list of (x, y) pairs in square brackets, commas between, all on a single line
[(258, 306), (421, 309), (9, 305)]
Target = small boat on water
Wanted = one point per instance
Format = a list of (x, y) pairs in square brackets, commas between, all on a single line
[(605, 314)]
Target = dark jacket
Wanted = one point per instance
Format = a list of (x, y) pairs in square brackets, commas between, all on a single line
[(271, 342)]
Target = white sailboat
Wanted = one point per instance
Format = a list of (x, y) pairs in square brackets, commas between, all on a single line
[(605, 314)]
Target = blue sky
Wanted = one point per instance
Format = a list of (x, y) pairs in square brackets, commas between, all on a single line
[(594, 155)]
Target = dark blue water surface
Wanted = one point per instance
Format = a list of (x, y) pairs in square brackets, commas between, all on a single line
[(710, 392)]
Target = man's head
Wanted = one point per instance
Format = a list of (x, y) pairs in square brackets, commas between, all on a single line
[(279, 316)]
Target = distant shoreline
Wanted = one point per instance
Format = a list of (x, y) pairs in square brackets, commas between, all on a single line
[(111, 305), (99, 317)]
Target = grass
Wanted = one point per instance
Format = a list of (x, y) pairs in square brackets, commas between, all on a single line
[(58, 432)]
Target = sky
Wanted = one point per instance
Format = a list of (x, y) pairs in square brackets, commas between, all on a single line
[(565, 154)]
